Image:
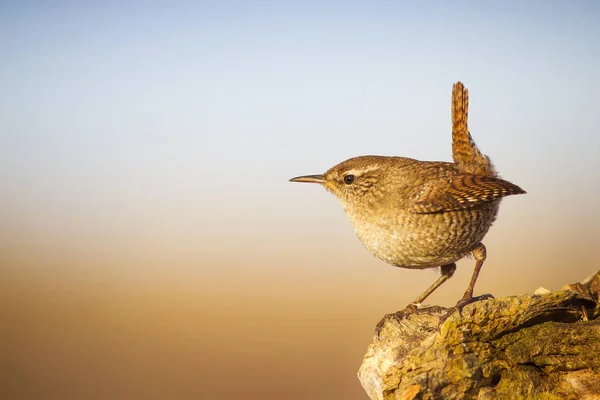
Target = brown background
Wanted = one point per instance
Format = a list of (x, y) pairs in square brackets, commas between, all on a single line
[(151, 246)]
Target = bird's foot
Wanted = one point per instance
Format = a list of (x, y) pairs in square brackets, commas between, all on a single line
[(398, 316), (461, 304), (468, 300)]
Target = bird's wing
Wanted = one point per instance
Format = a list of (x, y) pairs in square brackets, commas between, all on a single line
[(459, 192)]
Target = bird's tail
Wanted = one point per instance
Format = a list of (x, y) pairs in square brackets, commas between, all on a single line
[(464, 150)]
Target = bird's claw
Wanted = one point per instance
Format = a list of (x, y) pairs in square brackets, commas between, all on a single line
[(461, 304), (398, 316)]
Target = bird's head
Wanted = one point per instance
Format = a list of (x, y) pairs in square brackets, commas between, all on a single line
[(354, 181)]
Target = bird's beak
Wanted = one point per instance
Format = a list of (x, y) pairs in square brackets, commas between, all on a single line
[(310, 179)]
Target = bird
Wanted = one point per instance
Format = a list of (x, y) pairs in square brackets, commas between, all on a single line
[(422, 214)]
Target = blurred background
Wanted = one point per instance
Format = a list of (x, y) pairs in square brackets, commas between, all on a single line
[(151, 246)]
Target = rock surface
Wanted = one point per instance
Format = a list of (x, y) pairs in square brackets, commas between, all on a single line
[(539, 346)]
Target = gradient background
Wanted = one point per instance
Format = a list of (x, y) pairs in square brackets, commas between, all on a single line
[(151, 246)]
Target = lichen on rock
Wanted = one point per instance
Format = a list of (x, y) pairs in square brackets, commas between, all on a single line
[(539, 346)]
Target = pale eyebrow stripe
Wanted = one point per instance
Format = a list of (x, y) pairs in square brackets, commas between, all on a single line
[(362, 170)]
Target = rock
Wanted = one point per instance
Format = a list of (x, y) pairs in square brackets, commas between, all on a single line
[(539, 346)]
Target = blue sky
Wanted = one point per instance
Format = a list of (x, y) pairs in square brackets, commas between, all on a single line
[(112, 110)]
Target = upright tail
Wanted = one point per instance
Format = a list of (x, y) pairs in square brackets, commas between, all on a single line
[(464, 149)]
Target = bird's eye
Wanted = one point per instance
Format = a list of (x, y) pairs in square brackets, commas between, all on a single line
[(348, 179)]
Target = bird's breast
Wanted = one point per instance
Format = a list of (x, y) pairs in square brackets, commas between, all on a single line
[(410, 240)]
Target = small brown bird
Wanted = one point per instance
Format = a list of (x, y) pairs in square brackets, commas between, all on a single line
[(422, 214)]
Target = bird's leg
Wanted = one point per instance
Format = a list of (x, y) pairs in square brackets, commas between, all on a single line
[(479, 253), (447, 272)]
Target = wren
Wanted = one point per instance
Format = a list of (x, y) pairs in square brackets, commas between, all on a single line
[(423, 214)]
